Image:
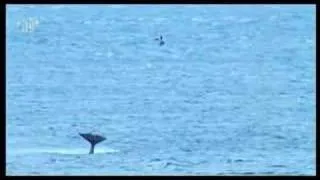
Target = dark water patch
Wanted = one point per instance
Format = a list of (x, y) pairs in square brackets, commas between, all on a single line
[(42, 41), (51, 128), (292, 173), (186, 149), (279, 137), (155, 160), (174, 165), (278, 166), (221, 174), (238, 160), (198, 141), (256, 173), (236, 107), (237, 173), (74, 136), (192, 101), (101, 166), (35, 172), (52, 160), (167, 164), (291, 81), (75, 45)]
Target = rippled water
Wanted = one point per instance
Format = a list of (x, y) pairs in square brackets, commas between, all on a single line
[(232, 91)]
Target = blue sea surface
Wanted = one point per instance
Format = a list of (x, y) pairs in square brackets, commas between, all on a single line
[(231, 92)]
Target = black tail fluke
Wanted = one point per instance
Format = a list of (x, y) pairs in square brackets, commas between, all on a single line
[(93, 140)]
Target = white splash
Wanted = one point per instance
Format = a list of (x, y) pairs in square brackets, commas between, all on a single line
[(71, 151)]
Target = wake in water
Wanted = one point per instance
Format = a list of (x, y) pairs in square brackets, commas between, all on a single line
[(75, 151)]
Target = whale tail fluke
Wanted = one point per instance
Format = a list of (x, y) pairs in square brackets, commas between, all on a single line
[(93, 139)]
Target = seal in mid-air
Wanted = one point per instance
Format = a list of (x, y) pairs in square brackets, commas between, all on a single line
[(93, 140), (160, 39)]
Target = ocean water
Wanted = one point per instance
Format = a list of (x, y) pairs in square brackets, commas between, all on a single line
[(231, 92)]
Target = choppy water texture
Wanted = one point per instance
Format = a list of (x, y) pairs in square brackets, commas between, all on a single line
[(232, 91)]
